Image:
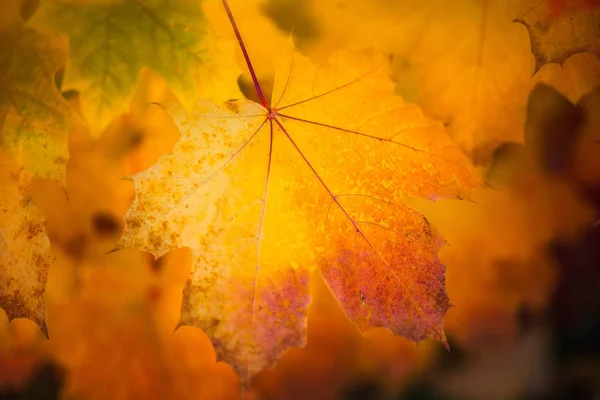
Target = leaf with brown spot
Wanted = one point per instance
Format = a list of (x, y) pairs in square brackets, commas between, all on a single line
[(555, 36), (25, 254), (35, 119), (263, 194)]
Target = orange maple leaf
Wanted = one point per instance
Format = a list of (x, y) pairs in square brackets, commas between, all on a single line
[(264, 193)]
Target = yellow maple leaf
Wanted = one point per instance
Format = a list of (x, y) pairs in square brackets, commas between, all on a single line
[(111, 41), (262, 194), (25, 254)]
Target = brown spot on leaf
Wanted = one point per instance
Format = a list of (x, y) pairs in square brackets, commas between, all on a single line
[(15, 307), (42, 264), (135, 224), (34, 229), (155, 240), (233, 106), (60, 160), (13, 304)]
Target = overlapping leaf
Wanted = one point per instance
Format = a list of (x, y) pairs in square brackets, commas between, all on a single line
[(111, 41), (556, 36), (34, 117), (25, 254), (263, 197)]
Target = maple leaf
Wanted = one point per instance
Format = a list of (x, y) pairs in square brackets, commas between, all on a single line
[(264, 193), (338, 355), (558, 31), (465, 63), (34, 117), (111, 41), (546, 184), (25, 254)]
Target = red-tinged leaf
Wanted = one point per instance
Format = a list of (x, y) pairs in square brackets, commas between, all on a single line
[(316, 179)]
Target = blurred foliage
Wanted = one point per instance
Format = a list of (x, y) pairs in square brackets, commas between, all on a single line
[(110, 42), (523, 269), (34, 118)]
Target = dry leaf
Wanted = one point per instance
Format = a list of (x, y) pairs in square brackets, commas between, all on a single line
[(25, 254), (262, 197), (559, 32)]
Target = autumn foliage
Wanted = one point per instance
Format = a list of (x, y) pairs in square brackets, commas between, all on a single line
[(215, 199)]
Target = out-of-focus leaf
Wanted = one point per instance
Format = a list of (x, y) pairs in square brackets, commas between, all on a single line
[(554, 126), (464, 62), (578, 80), (34, 117), (28, 8), (111, 41), (576, 77), (546, 184), (114, 344)]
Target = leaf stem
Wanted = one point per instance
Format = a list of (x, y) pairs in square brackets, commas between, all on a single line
[(262, 217), (261, 96)]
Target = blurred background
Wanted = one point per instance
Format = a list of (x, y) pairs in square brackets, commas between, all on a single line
[(515, 84)]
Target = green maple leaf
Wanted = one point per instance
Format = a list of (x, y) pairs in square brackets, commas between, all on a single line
[(34, 117), (111, 41)]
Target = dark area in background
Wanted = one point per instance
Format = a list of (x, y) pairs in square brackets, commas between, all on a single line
[(44, 384), (572, 315)]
